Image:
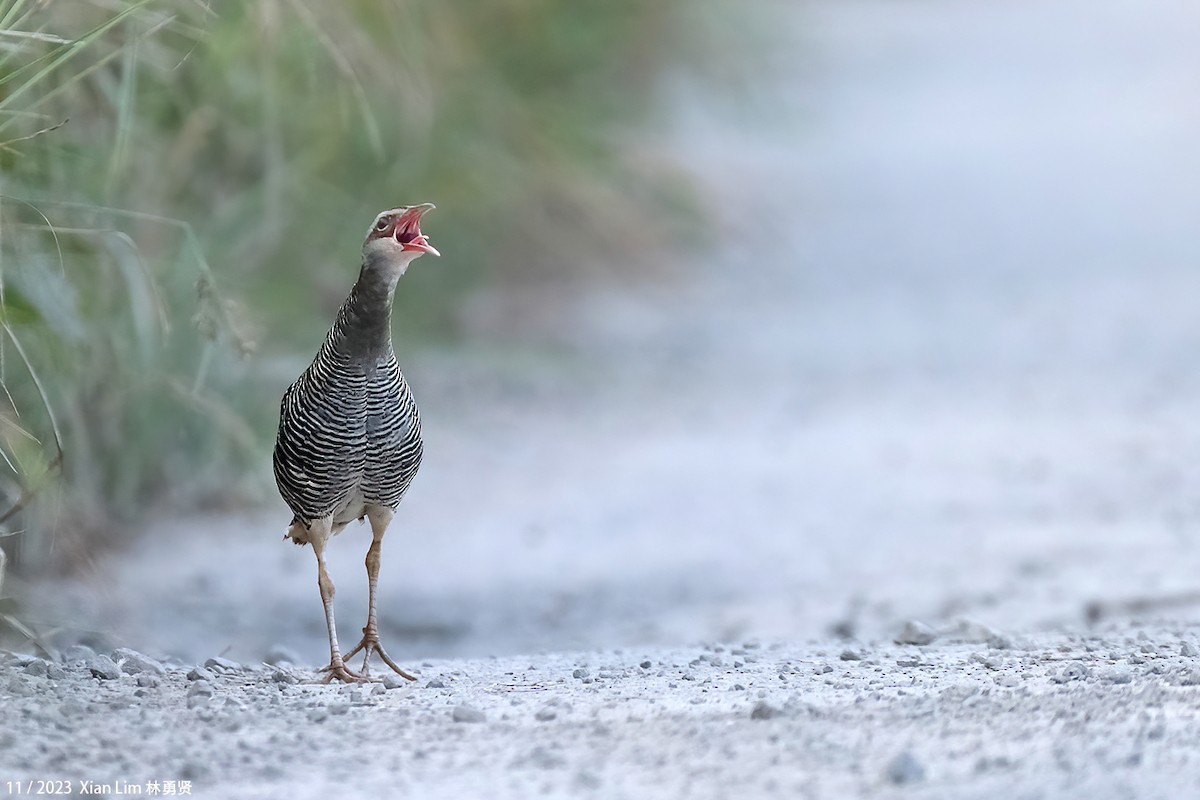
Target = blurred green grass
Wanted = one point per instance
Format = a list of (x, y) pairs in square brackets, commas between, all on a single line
[(179, 178)]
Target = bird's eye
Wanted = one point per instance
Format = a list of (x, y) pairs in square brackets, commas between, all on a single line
[(382, 224)]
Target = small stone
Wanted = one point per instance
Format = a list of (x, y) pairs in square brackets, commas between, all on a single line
[(545, 714), (1186, 650), (436, 683), (103, 667), (587, 780), (132, 662), (973, 632), (544, 758), (764, 710), (579, 672), (1071, 672), (223, 664), (200, 674), (915, 632), (393, 682), (200, 688), (377, 689), (1190, 677), (77, 652), (904, 769), (279, 654), (991, 662), (908, 662), (280, 676), (39, 668), (147, 680), (850, 655), (466, 713), (1117, 675), (645, 664)]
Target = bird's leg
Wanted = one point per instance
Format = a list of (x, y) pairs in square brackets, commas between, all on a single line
[(318, 535), (380, 518)]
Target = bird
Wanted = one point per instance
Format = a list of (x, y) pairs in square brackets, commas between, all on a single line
[(349, 440)]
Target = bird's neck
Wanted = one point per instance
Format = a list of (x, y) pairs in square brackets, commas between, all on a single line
[(364, 323)]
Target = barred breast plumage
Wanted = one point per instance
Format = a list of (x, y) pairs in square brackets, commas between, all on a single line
[(349, 434)]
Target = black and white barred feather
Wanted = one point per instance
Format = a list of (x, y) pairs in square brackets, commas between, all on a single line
[(349, 430)]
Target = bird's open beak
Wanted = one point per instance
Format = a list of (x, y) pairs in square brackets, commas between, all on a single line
[(408, 230)]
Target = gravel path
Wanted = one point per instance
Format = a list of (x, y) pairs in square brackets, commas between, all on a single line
[(945, 367), (1111, 715)]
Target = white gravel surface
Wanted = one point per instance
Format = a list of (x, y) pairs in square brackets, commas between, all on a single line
[(939, 383), (1110, 715)]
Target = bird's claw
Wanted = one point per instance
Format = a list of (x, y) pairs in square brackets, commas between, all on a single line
[(339, 670), (370, 644)]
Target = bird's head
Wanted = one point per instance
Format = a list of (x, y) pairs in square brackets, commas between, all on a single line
[(395, 237)]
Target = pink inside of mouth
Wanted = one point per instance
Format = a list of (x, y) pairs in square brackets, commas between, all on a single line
[(408, 234)]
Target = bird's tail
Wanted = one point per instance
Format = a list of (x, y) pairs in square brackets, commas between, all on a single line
[(297, 531)]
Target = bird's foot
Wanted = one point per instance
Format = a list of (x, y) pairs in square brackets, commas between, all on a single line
[(370, 644), (337, 669)]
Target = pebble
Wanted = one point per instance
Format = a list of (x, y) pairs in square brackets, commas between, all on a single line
[(973, 632), (587, 780), (132, 662), (466, 713), (1117, 675), (436, 683), (544, 758), (200, 688), (103, 667), (1186, 650), (904, 769), (1071, 672), (280, 676), (279, 654), (18, 686), (991, 662), (1190, 677), (850, 655), (764, 710), (917, 633), (579, 672), (200, 674), (394, 682), (146, 680), (39, 668), (77, 652), (223, 664)]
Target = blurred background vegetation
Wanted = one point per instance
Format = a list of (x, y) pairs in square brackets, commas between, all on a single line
[(185, 186)]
